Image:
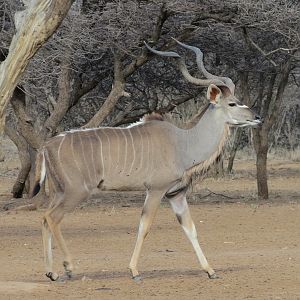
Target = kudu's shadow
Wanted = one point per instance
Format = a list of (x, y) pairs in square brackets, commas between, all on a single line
[(156, 273)]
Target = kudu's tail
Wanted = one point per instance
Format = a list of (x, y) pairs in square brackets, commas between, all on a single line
[(40, 173)]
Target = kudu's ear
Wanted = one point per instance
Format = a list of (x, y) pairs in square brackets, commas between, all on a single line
[(225, 91), (213, 93)]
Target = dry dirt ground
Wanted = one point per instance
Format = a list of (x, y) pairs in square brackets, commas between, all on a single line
[(254, 246)]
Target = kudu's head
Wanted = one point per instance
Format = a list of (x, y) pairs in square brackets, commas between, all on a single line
[(220, 91)]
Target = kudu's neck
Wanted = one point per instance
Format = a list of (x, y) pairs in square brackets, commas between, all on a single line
[(204, 138)]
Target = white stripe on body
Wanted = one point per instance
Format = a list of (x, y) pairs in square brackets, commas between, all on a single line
[(84, 159), (125, 156), (76, 162), (142, 150), (133, 148), (58, 155), (118, 144), (151, 158), (148, 154), (109, 154), (93, 159), (101, 153)]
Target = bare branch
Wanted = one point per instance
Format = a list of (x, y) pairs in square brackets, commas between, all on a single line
[(165, 109), (163, 16), (288, 50), (143, 58), (253, 44), (284, 76), (116, 93), (63, 102)]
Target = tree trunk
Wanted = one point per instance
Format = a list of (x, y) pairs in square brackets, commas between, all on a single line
[(24, 156), (270, 112), (260, 140), (261, 168), (19, 185)]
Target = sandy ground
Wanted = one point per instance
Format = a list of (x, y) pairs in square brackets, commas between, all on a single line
[(255, 250), (254, 246)]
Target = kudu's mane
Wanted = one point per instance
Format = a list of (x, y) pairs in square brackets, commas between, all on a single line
[(154, 116)]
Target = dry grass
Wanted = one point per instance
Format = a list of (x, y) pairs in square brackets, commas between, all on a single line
[(248, 153), (294, 155)]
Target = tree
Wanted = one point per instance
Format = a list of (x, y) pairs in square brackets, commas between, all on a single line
[(265, 51), (34, 26), (277, 42)]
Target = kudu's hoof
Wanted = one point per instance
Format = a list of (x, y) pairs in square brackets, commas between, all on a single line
[(68, 272), (52, 276), (137, 278), (213, 276)]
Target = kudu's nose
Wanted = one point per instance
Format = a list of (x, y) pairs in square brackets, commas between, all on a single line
[(258, 118)]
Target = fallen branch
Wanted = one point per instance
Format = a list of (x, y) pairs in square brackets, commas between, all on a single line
[(218, 194)]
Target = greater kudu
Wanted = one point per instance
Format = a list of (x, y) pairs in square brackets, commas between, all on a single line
[(154, 155)]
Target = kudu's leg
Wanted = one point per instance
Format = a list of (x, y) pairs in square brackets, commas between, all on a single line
[(151, 204), (53, 219), (51, 226), (47, 242), (181, 209)]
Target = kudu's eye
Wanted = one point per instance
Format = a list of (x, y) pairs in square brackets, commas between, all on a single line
[(232, 104)]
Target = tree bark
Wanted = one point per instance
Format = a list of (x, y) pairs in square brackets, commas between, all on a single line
[(34, 26), (260, 139), (63, 102), (262, 177), (24, 156), (116, 93)]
